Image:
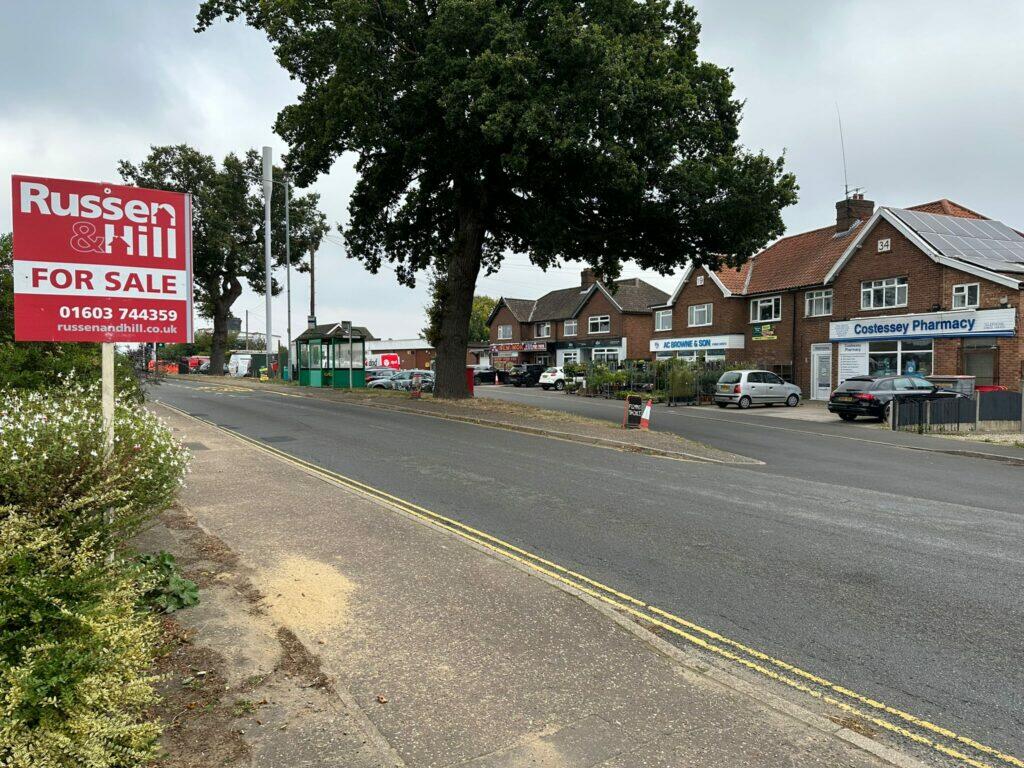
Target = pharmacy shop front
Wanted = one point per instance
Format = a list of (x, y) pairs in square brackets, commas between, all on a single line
[(938, 343)]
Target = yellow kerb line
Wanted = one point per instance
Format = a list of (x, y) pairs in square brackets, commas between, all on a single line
[(633, 605)]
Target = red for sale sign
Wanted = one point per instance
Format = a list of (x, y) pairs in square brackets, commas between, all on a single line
[(100, 262)]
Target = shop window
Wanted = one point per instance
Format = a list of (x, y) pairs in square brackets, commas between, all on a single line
[(570, 357), (609, 356), (504, 332), (784, 372), (541, 330), (818, 303), (912, 357), (699, 314), (599, 324), (569, 328), (883, 294), (766, 310), (663, 320), (966, 296)]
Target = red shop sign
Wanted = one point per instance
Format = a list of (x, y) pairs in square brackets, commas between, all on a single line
[(100, 262)]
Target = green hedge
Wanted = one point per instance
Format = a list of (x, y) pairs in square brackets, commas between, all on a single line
[(75, 642)]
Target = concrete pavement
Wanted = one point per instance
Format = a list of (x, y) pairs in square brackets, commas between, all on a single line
[(458, 658)]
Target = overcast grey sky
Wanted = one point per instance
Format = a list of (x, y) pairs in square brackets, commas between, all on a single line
[(931, 95)]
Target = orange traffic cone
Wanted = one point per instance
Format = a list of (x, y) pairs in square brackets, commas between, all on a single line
[(645, 419)]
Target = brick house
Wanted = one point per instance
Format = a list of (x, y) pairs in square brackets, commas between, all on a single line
[(931, 290), (589, 322)]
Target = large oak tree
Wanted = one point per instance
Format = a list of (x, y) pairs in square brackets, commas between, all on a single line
[(227, 226), (566, 130)]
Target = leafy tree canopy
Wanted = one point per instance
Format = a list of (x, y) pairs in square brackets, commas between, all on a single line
[(561, 129), (227, 228)]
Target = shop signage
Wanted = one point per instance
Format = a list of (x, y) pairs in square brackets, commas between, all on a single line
[(987, 322), (729, 341), (99, 262), (520, 346), (853, 359), (763, 332)]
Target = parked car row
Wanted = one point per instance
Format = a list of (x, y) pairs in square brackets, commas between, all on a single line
[(403, 380)]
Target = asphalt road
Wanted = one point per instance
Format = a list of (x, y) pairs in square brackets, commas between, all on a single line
[(896, 573)]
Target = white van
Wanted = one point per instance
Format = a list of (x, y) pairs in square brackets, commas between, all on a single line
[(239, 365)]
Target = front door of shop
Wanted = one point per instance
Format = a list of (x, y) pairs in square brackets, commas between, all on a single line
[(821, 372)]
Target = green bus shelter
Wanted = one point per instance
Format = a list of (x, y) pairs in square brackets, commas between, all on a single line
[(323, 353)]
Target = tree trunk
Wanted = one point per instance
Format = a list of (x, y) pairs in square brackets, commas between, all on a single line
[(231, 290), (459, 284)]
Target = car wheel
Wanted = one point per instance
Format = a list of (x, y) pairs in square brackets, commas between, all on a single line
[(559, 385), (476, 381), (744, 402), (793, 400), (887, 412), (848, 416)]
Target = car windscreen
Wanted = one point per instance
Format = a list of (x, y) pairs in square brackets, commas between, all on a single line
[(730, 377), (551, 370)]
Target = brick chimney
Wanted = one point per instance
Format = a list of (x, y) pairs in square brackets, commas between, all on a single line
[(587, 278), (851, 209)]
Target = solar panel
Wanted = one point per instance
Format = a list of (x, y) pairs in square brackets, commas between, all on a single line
[(989, 244)]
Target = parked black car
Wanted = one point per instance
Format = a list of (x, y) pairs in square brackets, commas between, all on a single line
[(484, 374), (873, 395), (525, 375)]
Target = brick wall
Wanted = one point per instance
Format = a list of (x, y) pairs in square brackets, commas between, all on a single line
[(504, 317), (727, 314)]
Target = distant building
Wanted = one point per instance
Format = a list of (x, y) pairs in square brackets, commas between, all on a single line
[(418, 353), (589, 322)]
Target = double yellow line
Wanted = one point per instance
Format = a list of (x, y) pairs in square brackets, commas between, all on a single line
[(900, 723)]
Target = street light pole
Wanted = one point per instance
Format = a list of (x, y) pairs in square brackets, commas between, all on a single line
[(268, 190), (288, 267)]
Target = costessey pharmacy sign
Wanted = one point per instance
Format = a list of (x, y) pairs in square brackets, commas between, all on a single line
[(988, 322)]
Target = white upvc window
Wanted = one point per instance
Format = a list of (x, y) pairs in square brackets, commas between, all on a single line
[(569, 327), (605, 355), (883, 294), (818, 303), (663, 320), (541, 330), (766, 310), (504, 332), (966, 295), (698, 314), (599, 324)]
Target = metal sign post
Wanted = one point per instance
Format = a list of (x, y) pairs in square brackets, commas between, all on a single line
[(107, 397)]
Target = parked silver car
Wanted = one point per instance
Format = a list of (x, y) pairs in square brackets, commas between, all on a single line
[(402, 380), (746, 388)]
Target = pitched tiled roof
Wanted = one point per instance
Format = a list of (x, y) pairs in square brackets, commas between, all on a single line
[(947, 208), (631, 294), (520, 308), (559, 304), (804, 259), (634, 295)]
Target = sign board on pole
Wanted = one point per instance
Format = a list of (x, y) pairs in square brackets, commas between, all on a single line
[(101, 262)]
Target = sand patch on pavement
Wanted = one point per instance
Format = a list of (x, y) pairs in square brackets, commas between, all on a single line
[(306, 595)]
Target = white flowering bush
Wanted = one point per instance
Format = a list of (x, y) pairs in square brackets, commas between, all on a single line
[(75, 642), (53, 464)]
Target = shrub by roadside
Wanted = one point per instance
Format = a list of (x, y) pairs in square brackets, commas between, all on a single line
[(76, 643)]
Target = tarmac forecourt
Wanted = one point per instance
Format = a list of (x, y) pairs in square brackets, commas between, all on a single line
[(903, 724)]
